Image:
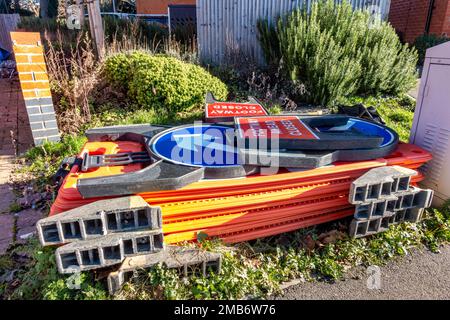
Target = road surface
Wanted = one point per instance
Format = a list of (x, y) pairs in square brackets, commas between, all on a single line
[(419, 275)]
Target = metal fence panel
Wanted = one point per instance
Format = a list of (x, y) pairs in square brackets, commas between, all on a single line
[(229, 25)]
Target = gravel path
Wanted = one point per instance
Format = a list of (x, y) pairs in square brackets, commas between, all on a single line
[(420, 275)]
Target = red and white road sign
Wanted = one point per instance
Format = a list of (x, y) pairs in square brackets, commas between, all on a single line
[(281, 127), (230, 110)]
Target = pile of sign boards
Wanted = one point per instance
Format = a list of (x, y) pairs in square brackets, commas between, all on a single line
[(135, 191)]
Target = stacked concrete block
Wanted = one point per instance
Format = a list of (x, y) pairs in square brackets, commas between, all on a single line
[(98, 219), (382, 197), (186, 260), (124, 232), (107, 250), (380, 183), (29, 56), (103, 233)]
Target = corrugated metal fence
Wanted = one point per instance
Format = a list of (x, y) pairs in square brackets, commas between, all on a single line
[(230, 25), (8, 22)]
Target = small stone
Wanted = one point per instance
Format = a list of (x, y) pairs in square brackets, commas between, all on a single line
[(27, 236)]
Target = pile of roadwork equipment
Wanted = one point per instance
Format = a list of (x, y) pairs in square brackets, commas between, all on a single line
[(134, 192)]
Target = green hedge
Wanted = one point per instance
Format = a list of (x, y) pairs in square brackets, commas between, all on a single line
[(337, 52), (163, 83)]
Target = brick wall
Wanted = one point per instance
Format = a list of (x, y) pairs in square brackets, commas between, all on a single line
[(409, 17), (29, 55), (440, 24), (158, 6)]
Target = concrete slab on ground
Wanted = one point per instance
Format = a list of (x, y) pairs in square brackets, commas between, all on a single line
[(15, 131), (6, 198), (6, 231), (26, 223)]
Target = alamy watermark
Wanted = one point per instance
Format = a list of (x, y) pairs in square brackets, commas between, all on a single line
[(74, 281), (374, 278)]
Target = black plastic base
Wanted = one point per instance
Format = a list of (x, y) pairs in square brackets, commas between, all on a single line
[(311, 159)]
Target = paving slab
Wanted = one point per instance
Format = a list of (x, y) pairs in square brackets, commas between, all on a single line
[(26, 223), (15, 131), (6, 231), (7, 197)]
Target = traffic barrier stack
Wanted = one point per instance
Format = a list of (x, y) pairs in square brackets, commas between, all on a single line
[(139, 230), (254, 206)]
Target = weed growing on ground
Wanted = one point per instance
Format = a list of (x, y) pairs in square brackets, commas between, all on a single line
[(43, 161), (15, 207), (39, 278), (256, 270)]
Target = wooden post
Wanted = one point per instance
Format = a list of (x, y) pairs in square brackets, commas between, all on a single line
[(96, 26)]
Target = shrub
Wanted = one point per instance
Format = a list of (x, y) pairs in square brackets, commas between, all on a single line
[(425, 41), (163, 83), (336, 51)]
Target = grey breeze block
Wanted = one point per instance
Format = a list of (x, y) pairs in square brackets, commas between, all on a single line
[(413, 198), (98, 219), (107, 250), (186, 260), (380, 183), (364, 228)]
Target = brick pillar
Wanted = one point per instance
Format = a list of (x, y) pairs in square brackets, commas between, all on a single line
[(29, 55)]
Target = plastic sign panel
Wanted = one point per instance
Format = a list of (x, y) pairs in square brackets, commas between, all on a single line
[(226, 111), (196, 145), (281, 127), (334, 132)]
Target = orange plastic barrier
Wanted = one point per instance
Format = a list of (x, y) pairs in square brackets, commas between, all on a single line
[(264, 228), (68, 198), (244, 208), (285, 209)]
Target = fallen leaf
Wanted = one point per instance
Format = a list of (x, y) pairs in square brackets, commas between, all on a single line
[(309, 243), (331, 236)]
